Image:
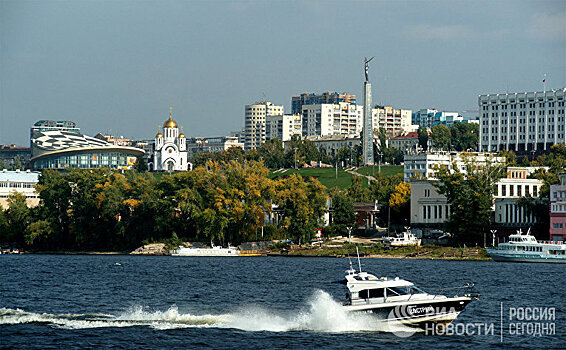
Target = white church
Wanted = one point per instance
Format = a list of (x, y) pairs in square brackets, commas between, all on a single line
[(170, 153)]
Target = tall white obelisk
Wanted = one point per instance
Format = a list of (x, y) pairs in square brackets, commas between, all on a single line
[(367, 147)]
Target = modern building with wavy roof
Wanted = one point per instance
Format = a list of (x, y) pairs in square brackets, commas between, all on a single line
[(57, 149)]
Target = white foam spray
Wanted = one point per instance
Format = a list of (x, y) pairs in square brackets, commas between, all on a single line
[(320, 314)]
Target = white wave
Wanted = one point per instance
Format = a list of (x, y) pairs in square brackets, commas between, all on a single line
[(320, 314)]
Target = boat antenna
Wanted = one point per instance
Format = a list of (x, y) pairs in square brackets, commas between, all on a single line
[(351, 269), (529, 231), (359, 262)]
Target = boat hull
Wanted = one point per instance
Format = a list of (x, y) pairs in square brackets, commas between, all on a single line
[(205, 252), (530, 258), (424, 314)]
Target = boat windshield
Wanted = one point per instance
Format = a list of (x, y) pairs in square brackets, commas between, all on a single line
[(393, 291)]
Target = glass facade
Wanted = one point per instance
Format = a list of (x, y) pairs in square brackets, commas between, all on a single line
[(108, 159)]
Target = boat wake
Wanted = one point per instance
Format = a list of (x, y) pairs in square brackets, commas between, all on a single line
[(320, 314)]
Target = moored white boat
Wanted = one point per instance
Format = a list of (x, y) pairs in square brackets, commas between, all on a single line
[(213, 251), (525, 248), (403, 239)]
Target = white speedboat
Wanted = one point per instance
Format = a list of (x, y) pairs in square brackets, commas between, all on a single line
[(403, 239), (525, 248), (401, 302), (213, 251)]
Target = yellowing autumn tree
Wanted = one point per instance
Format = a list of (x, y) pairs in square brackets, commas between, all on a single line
[(400, 202)]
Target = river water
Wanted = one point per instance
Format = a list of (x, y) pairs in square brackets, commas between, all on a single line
[(148, 302)]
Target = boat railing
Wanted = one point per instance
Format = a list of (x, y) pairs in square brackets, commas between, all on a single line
[(465, 290)]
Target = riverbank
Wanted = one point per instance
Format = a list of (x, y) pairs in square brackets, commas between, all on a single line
[(380, 252), (374, 251)]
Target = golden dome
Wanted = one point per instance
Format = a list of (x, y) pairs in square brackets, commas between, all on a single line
[(159, 135), (170, 123), (182, 136)]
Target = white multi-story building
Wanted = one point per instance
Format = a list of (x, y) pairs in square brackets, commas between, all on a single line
[(394, 121), (508, 212), (211, 144), (557, 229), (283, 127), (332, 119), (255, 118), (423, 164), (430, 208), (18, 181), (170, 153), (523, 122)]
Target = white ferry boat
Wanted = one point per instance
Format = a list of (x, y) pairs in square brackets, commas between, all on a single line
[(403, 239), (213, 251), (398, 301), (525, 248)]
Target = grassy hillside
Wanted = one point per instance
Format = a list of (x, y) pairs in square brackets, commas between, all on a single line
[(386, 170), (329, 178)]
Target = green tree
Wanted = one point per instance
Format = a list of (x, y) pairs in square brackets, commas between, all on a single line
[(18, 215), (344, 215), (37, 233), (302, 203), (441, 137), (3, 225), (356, 192), (465, 136), (55, 195), (470, 195), (141, 165), (538, 207), (343, 156), (17, 163), (510, 157), (273, 153), (300, 151), (423, 138)]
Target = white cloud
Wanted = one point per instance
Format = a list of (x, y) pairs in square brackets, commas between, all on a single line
[(448, 32), (546, 26)]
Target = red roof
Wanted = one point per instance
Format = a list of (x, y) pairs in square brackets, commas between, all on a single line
[(411, 135)]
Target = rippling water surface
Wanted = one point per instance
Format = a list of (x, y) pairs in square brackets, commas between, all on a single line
[(145, 302)]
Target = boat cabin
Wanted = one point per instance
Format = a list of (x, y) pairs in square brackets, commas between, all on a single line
[(368, 289), (522, 239)]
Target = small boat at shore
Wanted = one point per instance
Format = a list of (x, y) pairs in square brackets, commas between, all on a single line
[(212, 251), (525, 248), (401, 302), (403, 239)]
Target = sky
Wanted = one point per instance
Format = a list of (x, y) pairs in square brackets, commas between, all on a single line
[(117, 66)]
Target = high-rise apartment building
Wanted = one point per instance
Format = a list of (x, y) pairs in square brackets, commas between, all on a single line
[(255, 118), (522, 122), (431, 117), (309, 98), (394, 121), (332, 119), (283, 127)]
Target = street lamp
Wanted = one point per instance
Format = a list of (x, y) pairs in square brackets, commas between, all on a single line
[(349, 233), (493, 238)]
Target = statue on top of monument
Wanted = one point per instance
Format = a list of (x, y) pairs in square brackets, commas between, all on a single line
[(366, 61)]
